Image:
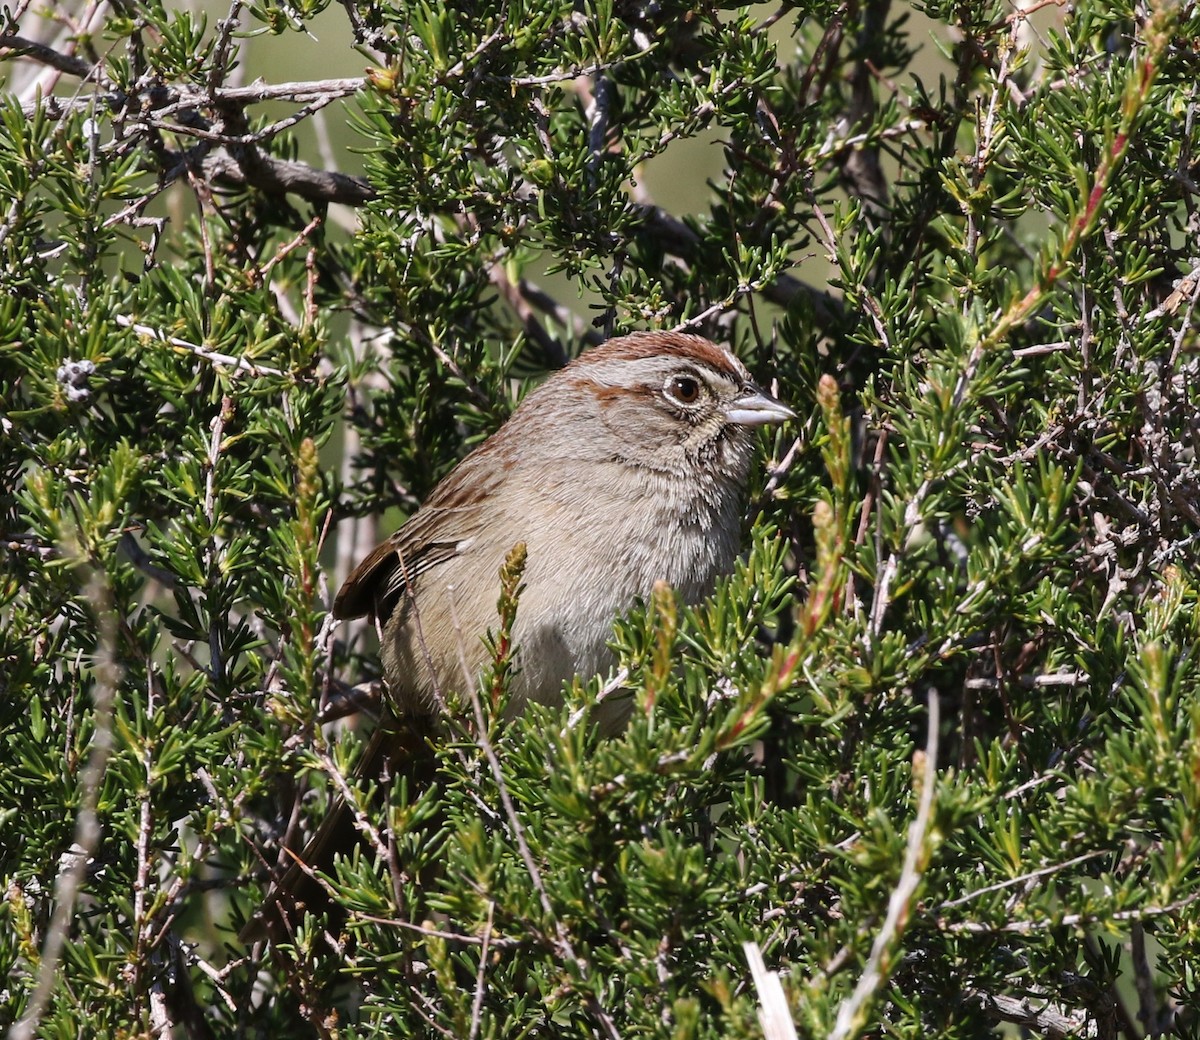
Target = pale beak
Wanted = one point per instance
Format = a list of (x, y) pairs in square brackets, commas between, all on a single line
[(753, 407)]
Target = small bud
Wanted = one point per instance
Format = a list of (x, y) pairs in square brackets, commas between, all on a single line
[(383, 80), (828, 396), (918, 767), (541, 172)]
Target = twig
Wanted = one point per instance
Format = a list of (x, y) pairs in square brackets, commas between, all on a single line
[(676, 238), (220, 59), (141, 926), (361, 820), (1010, 882), (852, 1012), (219, 976), (214, 356), (141, 560), (1055, 1023), (259, 136), (211, 563), (776, 471), (516, 296), (174, 98), (74, 864), (1143, 981), (984, 142), (20, 46), (720, 307), (495, 942), (1038, 349), (1146, 913), (566, 75), (614, 685), (288, 247), (861, 167), (1030, 682), (481, 974), (834, 147), (341, 700), (774, 1015), (284, 175)]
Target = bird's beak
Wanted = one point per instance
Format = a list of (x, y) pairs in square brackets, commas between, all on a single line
[(753, 407)]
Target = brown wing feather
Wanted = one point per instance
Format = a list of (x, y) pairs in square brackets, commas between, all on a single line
[(429, 537), (380, 580)]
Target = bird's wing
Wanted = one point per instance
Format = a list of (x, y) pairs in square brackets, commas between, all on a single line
[(441, 529)]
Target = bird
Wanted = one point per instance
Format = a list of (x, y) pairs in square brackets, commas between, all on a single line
[(625, 468)]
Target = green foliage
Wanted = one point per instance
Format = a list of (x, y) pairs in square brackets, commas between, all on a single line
[(214, 399)]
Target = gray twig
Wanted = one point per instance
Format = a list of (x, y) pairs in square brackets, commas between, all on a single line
[(1053, 1021)]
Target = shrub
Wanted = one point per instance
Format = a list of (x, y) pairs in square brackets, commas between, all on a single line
[(932, 748)]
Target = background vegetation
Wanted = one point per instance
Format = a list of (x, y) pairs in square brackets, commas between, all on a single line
[(933, 748)]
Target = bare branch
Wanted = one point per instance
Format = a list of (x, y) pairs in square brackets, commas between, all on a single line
[(521, 297), (214, 356), (1055, 1023), (1146, 913), (477, 1003), (20, 46), (1054, 868), (286, 175)]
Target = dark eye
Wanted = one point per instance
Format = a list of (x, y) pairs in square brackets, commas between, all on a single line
[(685, 389)]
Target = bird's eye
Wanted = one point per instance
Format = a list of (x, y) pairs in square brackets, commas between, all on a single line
[(684, 389)]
